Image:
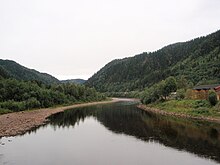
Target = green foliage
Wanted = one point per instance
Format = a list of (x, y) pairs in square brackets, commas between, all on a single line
[(3, 111), (183, 83), (13, 105), (180, 94), (200, 104), (169, 86), (14, 70), (3, 73), (217, 107), (201, 111), (32, 103), (212, 98), (159, 91), (190, 62), (189, 107), (21, 95)]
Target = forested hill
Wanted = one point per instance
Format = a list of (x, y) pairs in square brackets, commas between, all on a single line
[(12, 69), (198, 60), (75, 81)]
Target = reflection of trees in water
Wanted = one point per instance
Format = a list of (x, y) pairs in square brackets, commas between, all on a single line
[(201, 138)]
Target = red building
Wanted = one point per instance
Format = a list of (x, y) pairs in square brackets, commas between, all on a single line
[(202, 91)]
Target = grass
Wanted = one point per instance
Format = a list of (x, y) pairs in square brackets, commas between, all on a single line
[(189, 107), (4, 111)]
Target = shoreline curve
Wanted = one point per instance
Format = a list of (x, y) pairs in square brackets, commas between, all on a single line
[(178, 115), (18, 123)]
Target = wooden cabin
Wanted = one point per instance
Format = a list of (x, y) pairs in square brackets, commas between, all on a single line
[(202, 91)]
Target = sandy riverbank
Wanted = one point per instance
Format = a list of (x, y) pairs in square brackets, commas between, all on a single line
[(20, 122), (180, 115)]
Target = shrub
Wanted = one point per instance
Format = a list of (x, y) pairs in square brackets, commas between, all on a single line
[(201, 103), (189, 94), (212, 98), (13, 105), (3, 111), (180, 94), (217, 107), (169, 86), (32, 103)]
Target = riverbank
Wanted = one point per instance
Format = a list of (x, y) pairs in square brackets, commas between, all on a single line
[(18, 123), (178, 114)]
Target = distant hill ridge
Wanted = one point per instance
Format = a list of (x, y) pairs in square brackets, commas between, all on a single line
[(9, 68), (198, 60), (75, 81)]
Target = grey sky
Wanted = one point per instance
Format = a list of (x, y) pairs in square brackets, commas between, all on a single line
[(75, 38)]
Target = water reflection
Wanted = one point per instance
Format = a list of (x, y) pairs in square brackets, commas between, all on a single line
[(201, 138)]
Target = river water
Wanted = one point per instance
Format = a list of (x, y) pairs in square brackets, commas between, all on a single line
[(114, 134)]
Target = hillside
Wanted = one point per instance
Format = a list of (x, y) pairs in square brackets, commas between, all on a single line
[(38, 90), (12, 69), (198, 60), (75, 81)]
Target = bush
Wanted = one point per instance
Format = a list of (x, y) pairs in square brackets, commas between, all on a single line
[(3, 111), (159, 91), (180, 94), (169, 86), (13, 105), (217, 107), (201, 103), (32, 103), (212, 98)]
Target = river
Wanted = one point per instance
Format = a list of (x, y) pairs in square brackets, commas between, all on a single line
[(114, 134)]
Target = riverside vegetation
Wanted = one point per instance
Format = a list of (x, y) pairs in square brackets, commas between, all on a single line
[(154, 76), (162, 96), (23, 89), (150, 76), (23, 95), (197, 60)]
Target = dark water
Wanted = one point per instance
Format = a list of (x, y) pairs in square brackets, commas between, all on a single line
[(114, 134)]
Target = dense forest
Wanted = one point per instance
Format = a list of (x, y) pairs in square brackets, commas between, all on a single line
[(22, 89), (197, 60), (18, 95), (14, 70)]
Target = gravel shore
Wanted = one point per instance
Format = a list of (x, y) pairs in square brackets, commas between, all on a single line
[(18, 123)]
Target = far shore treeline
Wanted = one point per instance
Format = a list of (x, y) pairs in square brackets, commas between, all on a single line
[(157, 77), (22, 88), (21, 95)]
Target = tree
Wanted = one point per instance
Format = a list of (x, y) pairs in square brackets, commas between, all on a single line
[(182, 82), (170, 86), (180, 94), (32, 103), (213, 98), (18, 95)]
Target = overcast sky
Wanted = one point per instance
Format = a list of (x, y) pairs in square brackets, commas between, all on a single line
[(75, 38)]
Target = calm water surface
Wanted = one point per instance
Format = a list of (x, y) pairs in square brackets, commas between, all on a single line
[(114, 134)]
